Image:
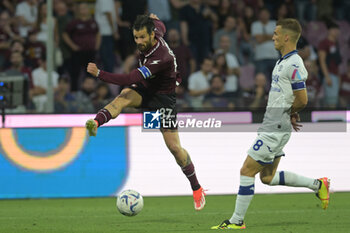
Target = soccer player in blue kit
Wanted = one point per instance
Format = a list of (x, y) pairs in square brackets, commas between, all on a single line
[(151, 86), (287, 97)]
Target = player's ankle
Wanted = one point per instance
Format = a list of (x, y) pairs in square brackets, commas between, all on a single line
[(97, 123), (102, 117)]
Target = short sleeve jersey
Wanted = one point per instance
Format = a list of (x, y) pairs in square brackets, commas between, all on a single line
[(288, 75)]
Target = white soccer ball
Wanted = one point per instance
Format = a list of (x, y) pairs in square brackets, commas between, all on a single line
[(129, 202)]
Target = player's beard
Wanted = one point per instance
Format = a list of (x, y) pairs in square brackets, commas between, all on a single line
[(144, 47)]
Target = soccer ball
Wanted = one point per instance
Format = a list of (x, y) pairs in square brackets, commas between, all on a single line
[(129, 202)]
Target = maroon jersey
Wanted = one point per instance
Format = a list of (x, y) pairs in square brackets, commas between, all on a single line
[(157, 68)]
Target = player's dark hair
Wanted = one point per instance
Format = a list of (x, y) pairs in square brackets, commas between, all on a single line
[(291, 25), (143, 21)]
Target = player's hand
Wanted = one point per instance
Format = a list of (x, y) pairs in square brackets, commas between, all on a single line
[(92, 69), (294, 118), (153, 16)]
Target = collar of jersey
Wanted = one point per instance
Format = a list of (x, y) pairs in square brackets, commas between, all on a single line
[(154, 48), (287, 55)]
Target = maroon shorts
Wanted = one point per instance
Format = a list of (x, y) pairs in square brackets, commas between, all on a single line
[(164, 103)]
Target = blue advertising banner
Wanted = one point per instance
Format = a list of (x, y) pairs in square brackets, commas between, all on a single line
[(61, 162)]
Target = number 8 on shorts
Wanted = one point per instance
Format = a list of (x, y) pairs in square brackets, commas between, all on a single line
[(257, 145)]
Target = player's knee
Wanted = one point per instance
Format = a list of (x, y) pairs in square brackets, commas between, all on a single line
[(245, 171), (266, 179), (121, 101), (174, 148)]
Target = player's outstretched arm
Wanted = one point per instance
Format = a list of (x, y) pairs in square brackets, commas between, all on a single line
[(119, 79)]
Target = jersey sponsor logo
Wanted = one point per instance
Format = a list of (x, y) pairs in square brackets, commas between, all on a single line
[(155, 62), (151, 120), (295, 66), (275, 78)]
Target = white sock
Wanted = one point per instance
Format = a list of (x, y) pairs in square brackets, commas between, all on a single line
[(244, 197), (291, 179)]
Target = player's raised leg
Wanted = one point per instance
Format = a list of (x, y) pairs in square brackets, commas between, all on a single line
[(183, 159), (269, 176), (245, 194), (127, 98)]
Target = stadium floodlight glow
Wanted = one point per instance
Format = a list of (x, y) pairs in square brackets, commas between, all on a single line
[(1, 97), (2, 84)]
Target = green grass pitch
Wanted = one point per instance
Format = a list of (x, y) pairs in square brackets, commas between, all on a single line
[(280, 213)]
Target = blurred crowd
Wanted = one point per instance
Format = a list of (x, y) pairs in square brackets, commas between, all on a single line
[(224, 49)]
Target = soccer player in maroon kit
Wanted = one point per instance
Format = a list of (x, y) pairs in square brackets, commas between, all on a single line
[(152, 86)]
